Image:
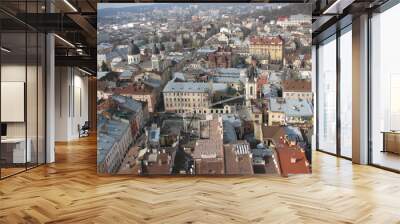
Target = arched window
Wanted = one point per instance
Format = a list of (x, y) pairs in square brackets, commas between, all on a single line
[(251, 90)]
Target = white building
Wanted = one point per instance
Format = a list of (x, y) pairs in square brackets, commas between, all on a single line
[(289, 111), (192, 97), (297, 90)]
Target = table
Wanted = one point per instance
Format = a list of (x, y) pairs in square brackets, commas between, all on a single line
[(13, 150), (391, 141)]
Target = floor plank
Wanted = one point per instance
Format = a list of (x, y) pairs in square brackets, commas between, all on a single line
[(70, 191)]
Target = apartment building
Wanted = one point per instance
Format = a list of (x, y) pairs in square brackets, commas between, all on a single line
[(140, 92), (289, 111), (297, 89), (183, 97), (267, 47), (114, 136)]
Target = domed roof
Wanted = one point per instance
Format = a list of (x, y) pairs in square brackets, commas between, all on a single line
[(155, 50), (133, 49)]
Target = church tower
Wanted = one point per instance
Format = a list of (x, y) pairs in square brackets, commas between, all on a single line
[(251, 83), (133, 54), (156, 61), (162, 50)]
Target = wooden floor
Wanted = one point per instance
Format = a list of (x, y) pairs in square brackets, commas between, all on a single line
[(386, 159), (70, 191)]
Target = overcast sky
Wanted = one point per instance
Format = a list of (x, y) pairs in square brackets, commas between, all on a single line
[(119, 5)]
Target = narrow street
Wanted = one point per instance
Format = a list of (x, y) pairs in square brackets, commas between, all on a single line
[(129, 166)]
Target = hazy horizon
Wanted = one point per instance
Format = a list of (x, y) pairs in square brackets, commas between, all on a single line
[(120, 5)]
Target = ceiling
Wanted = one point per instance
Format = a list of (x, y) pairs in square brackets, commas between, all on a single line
[(331, 15), (74, 22)]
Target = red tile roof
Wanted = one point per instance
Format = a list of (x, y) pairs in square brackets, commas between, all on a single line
[(133, 89), (292, 159), (210, 166), (261, 81), (265, 40), (296, 86), (283, 18)]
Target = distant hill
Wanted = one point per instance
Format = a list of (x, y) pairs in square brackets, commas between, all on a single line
[(141, 8), (286, 10)]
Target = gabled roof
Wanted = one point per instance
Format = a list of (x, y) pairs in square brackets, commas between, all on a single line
[(266, 40), (296, 86)]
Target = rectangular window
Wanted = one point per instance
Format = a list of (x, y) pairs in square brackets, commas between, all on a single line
[(346, 93), (385, 89), (327, 95)]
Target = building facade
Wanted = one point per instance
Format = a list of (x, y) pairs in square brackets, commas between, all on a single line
[(265, 47), (289, 111), (222, 58), (186, 97), (140, 92), (113, 142), (297, 89), (192, 98)]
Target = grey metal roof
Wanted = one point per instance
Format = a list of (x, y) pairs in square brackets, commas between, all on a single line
[(105, 144), (128, 103), (192, 87), (275, 77), (109, 132), (179, 75), (225, 79), (235, 72), (101, 74), (229, 133), (291, 107), (270, 90), (261, 152), (234, 120), (206, 50), (294, 133), (155, 83), (126, 74)]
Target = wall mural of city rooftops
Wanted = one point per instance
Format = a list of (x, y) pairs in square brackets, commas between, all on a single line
[(204, 89)]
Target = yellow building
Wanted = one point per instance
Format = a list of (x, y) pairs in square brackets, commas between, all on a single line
[(264, 47)]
